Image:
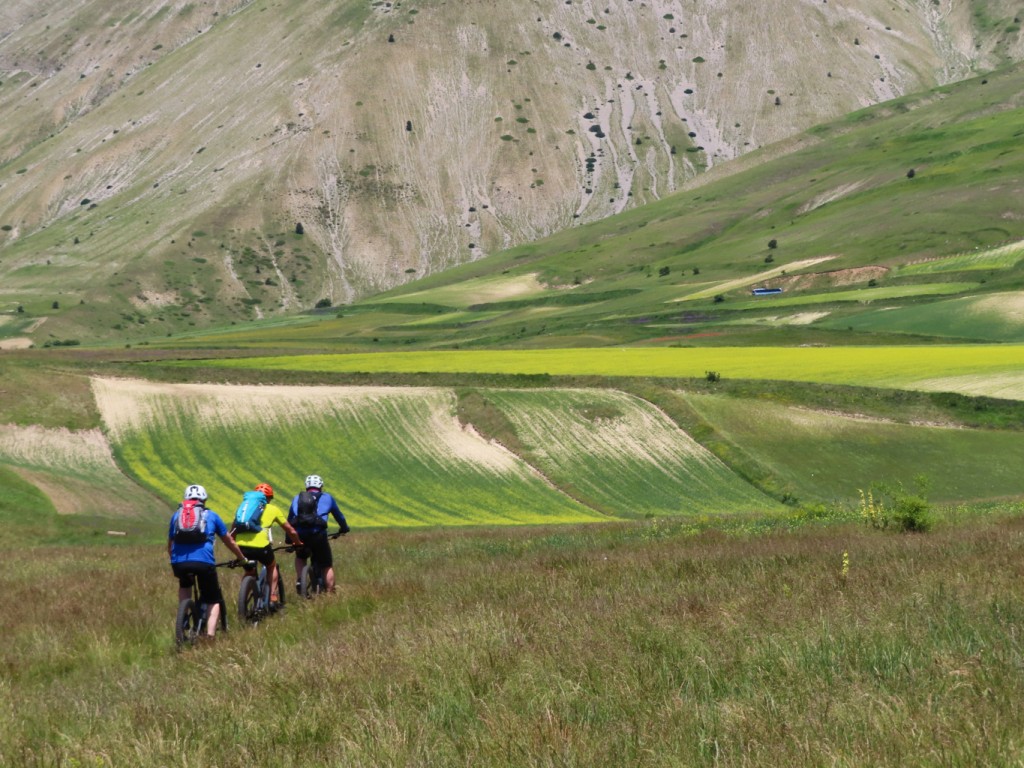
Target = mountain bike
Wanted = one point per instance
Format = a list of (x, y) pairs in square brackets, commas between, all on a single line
[(190, 624), (314, 576), (254, 592)]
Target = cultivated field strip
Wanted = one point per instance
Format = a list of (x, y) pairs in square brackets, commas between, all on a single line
[(394, 456), (902, 367), (821, 455), (620, 453), (74, 469)]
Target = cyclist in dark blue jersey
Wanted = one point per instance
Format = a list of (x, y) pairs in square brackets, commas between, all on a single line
[(308, 513)]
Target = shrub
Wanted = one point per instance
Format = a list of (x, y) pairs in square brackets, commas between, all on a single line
[(323, 303), (712, 376), (900, 510), (912, 513), (773, 243), (663, 272)]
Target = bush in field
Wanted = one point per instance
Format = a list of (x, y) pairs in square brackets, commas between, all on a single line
[(896, 508)]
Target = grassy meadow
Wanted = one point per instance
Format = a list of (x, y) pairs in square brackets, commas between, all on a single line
[(658, 643)]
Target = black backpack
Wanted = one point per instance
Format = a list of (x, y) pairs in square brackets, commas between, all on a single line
[(306, 511)]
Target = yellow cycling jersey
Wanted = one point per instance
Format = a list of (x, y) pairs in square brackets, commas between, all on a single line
[(262, 538)]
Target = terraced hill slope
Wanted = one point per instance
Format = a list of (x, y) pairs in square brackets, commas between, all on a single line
[(157, 156), (398, 456)]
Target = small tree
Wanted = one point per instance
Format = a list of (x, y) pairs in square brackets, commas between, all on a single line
[(56, 305), (299, 229), (911, 173), (773, 243), (663, 272)]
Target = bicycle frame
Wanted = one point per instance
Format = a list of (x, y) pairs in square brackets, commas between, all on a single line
[(190, 624), (254, 592)]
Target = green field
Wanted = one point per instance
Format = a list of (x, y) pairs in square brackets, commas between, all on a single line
[(619, 453), (899, 367), (393, 456), (819, 455)]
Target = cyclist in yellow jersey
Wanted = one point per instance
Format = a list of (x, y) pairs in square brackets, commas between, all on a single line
[(258, 545)]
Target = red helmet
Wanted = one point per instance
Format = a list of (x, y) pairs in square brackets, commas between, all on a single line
[(266, 490)]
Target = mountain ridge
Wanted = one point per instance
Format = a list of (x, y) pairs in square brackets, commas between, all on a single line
[(178, 147)]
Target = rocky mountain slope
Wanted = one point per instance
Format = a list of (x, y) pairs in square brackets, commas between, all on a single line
[(167, 163)]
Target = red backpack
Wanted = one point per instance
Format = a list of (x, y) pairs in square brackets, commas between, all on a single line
[(190, 522)]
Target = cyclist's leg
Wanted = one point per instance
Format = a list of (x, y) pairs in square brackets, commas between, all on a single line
[(325, 557), (275, 582)]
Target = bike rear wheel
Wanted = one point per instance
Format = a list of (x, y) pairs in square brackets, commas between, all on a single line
[(248, 599), (189, 622), (311, 582)]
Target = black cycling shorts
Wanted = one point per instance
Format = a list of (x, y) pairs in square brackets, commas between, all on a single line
[(262, 555), (318, 547), (206, 574)]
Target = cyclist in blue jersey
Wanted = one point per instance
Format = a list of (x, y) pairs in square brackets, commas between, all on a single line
[(190, 538), (308, 513)]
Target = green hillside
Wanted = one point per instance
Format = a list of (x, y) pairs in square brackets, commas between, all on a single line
[(896, 207)]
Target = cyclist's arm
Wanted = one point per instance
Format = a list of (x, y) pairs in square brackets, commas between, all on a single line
[(229, 542), (339, 517), (293, 535)]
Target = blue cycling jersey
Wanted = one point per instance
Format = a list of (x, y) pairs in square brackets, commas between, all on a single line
[(199, 552), (325, 506)]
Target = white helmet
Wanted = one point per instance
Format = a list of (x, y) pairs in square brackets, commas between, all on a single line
[(314, 481), (196, 492)]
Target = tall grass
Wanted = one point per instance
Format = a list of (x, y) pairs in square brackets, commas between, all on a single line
[(646, 643)]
